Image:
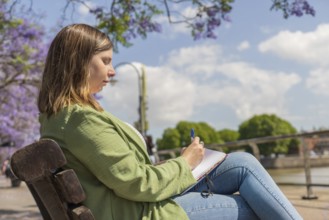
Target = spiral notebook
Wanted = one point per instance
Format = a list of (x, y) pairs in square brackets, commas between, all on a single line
[(211, 160)]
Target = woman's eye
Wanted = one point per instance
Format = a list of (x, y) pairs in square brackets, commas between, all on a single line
[(106, 61)]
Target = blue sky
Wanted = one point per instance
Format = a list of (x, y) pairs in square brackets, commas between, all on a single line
[(260, 63)]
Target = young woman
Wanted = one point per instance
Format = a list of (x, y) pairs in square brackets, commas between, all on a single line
[(111, 160)]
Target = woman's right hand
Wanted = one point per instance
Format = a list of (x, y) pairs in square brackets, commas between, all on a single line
[(194, 153)]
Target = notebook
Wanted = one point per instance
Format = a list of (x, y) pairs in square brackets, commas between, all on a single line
[(211, 160)]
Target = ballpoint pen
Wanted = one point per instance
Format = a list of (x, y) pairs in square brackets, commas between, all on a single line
[(192, 134)]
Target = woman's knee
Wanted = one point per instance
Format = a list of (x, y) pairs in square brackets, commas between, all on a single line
[(243, 155), (245, 158)]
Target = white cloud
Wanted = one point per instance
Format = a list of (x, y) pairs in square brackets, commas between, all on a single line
[(189, 12), (318, 81), (244, 45), (169, 95), (170, 30), (178, 14), (84, 9), (202, 59), (193, 78), (305, 47), (255, 91)]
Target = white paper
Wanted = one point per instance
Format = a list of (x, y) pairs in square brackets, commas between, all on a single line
[(210, 160)]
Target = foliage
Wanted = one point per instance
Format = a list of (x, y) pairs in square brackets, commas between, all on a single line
[(268, 125), (296, 8), (180, 135), (21, 61), (124, 20), (228, 135), (170, 139)]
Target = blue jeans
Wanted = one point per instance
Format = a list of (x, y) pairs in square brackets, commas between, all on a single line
[(242, 189)]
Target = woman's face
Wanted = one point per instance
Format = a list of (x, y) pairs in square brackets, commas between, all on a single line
[(101, 70)]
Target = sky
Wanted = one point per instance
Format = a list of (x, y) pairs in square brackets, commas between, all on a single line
[(260, 63)]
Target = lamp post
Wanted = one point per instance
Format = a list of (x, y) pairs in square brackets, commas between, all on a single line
[(142, 124)]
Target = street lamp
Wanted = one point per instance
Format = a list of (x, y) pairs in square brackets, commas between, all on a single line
[(142, 123)]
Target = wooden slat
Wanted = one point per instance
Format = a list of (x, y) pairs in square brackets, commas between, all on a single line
[(50, 199), (69, 186), (57, 192), (82, 213), (37, 160), (38, 201)]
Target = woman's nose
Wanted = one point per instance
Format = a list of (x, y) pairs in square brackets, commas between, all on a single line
[(111, 72)]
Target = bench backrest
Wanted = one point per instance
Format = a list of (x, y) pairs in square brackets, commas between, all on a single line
[(57, 192)]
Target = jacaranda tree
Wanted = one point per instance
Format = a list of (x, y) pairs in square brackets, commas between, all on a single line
[(124, 20), (22, 53)]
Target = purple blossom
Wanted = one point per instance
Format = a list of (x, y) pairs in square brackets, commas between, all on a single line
[(296, 8), (132, 19), (308, 9), (96, 10), (209, 18), (22, 56), (212, 11), (199, 25), (157, 27)]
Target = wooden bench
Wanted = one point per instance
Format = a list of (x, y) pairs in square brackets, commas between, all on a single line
[(57, 192)]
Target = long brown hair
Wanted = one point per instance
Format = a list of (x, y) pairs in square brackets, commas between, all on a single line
[(66, 73)]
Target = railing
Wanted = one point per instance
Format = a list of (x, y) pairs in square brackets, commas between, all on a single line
[(305, 137)]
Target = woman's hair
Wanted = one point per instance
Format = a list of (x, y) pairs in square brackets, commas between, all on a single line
[(66, 72)]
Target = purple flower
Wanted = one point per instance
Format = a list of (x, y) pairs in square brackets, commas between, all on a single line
[(296, 8), (22, 55), (96, 10), (212, 11), (199, 25)]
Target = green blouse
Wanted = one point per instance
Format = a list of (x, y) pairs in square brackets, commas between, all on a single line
[(114, 168)]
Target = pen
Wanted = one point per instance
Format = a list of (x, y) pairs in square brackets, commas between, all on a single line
[(192, 134)]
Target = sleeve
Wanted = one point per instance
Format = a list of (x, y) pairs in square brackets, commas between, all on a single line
[(104, 152)]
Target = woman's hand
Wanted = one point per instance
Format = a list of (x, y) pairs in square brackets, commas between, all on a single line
[(194, 153)]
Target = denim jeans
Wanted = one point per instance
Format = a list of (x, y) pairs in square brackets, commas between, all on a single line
[(241, 189)]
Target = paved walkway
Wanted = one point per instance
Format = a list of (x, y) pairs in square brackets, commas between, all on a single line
[(314, 209), (18, 204)]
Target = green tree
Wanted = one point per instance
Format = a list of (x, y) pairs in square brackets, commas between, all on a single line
[(228, 135), (268, 125), (180, 135), (206, 133), (170, 139)]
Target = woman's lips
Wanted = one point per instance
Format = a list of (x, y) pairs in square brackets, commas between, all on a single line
[(105, 82)]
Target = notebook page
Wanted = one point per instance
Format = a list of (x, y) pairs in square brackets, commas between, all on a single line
[(211, 159)]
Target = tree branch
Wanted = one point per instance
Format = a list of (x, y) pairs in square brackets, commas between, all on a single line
[(168, 11)]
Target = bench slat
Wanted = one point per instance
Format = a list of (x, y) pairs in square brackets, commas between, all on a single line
[(69, 185), (57, 192)]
